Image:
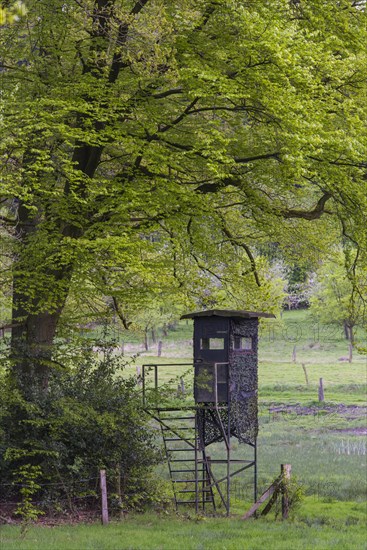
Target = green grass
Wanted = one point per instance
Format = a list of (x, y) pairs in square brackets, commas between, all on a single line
[(329, 525), (319, 457)]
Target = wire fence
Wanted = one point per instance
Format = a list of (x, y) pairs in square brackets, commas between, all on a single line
[(44, 493)]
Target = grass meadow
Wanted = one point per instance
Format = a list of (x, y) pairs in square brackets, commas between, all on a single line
[(324, 443), (330, 526)]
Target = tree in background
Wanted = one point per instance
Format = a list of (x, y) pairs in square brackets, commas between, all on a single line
[(339, 295), (148, 146)]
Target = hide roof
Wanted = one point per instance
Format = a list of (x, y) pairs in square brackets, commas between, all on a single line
[(242, 314)]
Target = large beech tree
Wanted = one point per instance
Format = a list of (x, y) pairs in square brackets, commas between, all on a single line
[(143, 142)]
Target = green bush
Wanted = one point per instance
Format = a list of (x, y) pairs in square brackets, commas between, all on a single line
[(90, 418)]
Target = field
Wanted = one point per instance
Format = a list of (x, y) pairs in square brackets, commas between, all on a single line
[(325, 443), (336, 526)]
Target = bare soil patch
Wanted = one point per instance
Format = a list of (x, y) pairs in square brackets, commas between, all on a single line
[(352, 431), (350, 412)]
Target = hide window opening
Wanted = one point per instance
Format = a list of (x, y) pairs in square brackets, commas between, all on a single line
[(212, 343), (211, 382), (242, 343), (204, 381)]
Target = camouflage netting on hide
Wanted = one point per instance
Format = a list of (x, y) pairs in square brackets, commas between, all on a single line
[(243, 383), (210, 427)]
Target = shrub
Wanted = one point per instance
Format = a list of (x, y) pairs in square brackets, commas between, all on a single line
[(91, 418)]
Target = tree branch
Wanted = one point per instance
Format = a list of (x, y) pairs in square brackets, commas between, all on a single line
[(314, 214), (206, 16), (197, 261), (120, 314), (162, 95), (244, 160), (138, 7), (239, 242), (180, 117), (340, 163), (117, 62)]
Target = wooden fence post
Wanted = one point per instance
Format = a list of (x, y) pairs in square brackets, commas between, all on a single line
[(286, 476), (270, 491), (280, 485), (160, 344), (321, 391), (305, 371), (102, 475)]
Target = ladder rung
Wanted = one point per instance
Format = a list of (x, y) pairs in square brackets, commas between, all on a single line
[(182, 460), (192, 501), (177, 418), (181, 471), (187, 480), (185, 449), (179, 439), (191, 491), (176, 428)]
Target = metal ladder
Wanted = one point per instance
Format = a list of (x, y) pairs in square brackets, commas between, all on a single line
[(189, 467)]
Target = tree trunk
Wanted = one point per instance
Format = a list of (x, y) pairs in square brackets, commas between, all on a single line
[(31, 345), (31, 351), (146, 341), (39, 294)]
